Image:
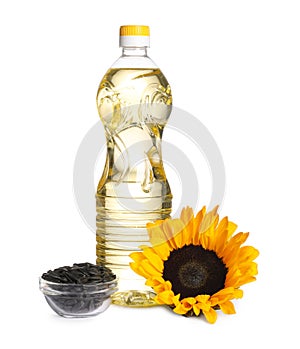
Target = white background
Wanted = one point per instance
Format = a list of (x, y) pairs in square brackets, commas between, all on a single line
[(233, 64)]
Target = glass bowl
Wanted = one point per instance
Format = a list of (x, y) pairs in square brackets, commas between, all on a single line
[(78, 300)]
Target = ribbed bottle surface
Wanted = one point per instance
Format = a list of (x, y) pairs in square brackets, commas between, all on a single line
[(134, 106)]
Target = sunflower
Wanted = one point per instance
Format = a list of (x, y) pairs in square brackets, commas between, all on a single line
[(196, 264)]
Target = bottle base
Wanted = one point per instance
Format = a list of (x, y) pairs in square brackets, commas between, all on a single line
[(134, 298)]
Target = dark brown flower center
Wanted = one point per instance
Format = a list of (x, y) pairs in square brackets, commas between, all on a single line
[(192, 271)]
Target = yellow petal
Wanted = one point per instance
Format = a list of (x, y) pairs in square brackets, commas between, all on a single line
[(224, 292), (230, 252), (245, 280), (174, 230), (221, 235), (185, 305), (176, 299), (179, 309), (196, 225), (200, 215), (162, 250), (222, 225), (180, 239), (197, 309), (155, 232), (203, 240), (156, 223), (233, 277), (239, 239), (170, 230), (155, 281), (137, 256), (165, 297), (225, 295), (138, 270), (211, 315), (202, 298), (161, 287), (209, 219), (238, 293), (149, 269), (240, 275), (188, 234), (227, 307), (231, 228), (248, 254), (222, 296), (203, 302), (248, 268), (188, 302), (220, 243), (186, 215), (211, 236), (153, 258)]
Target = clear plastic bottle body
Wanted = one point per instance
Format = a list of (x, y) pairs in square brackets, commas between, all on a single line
[(134, 103)]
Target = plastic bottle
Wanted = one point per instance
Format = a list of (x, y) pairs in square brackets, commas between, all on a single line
[(134, 103)]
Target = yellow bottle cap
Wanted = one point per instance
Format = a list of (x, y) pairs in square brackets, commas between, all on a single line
[(134, 36), (132, 30)]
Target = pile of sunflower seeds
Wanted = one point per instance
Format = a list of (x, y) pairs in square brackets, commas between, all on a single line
[(80, 274), (81, 288)]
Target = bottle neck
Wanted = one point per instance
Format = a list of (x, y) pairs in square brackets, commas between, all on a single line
[(134, 57), (134, 51)]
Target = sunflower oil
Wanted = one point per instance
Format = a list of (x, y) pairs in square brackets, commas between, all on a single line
[(134, 103)]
